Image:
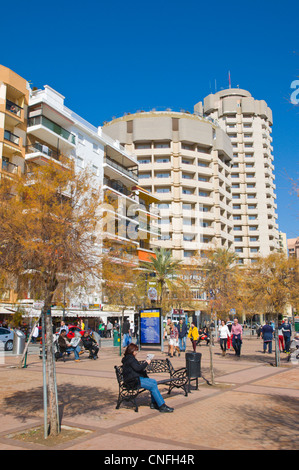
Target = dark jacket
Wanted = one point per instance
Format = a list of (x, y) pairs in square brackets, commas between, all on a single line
[(126, 328), (286, 329), (267, 332), (182, 329), (88, 342), (62, 343), (133, 370)]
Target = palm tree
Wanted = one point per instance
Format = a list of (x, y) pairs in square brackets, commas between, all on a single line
[(165, 268)]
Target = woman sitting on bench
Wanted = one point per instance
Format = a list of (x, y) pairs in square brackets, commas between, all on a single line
[(135, 376)]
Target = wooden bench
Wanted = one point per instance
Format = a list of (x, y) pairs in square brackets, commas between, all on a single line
[(177, 379)]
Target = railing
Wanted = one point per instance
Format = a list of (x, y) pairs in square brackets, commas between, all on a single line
[(13, 108), (113, 184), (131, 173), (11, 137), (52, 126), (9, 167), (44, 149)]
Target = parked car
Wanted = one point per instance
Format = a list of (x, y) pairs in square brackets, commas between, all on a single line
[(6, 337), (74, 330)]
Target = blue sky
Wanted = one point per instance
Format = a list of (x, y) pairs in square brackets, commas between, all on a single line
[(108, 58)]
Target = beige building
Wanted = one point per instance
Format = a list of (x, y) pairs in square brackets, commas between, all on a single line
[(293, 247), (14, 95), (248, 123), (184, 160)]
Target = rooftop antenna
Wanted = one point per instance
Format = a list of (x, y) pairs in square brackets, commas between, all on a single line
[(229, 80)]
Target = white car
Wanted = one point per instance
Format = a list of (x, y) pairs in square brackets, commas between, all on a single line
[(6, 337)]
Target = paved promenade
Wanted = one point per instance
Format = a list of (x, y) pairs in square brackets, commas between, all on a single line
[(254, 405)]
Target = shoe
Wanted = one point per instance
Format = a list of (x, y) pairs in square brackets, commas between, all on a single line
[(165, 409), (77, 360), (154, 406), (81, 352)]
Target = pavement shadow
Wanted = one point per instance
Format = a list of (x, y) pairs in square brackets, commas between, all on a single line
[(277, 427), (73, 400)]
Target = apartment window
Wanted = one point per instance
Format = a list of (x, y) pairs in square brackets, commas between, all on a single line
[(187, 222), (238, 239), (249, 165), (80, 162), (254, 250), (161, 145), (250, 185), (203, 150), (187, 191), (163, 175), (145, 175), (248, 155), (204, 209), (187, 147), (188, 254), (163, 190), (144, 145), (240, 261), (163, 205), (239, 250), (235, 165), (203, 164), (251, 206), (236, 196), (237, 228), (251, 196), (95, 170), (203, 178), (235, 185), (250, 175), (163, 160), (236, 206), (144, 161), (204, 224), (205, 239), (253, 228), (165, 221), (186, 162), (237, 217), (165, 237), (254, 239), (235, 155), (235, 175), (95, 148), (187, 176), (187, 207), (203, 194), (188, 238), (252, 217), (248, 146)]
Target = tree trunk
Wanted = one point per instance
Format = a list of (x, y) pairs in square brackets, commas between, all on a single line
[(54, 422)]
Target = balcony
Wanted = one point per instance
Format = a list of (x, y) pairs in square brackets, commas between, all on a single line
[(41, 153), (50, 132), (132, 174), (13, 108), (14, 139), (9, 167)]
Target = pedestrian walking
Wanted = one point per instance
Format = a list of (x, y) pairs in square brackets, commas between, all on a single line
[(35, 334), (126, 333), (287, 333), (182, 328), (280, 337), (109, 329), (166, 333), (267, 337), (193, 335), (224, 334), (173, 340), (237, 337)]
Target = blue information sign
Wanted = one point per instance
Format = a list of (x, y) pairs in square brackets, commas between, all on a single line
[(150, 326)]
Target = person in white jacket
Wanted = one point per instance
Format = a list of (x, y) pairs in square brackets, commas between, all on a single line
[(223, 335)]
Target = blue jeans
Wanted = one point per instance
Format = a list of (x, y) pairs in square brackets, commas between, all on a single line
[(126, 340), (151, 385), (182, 343), (76, 351)]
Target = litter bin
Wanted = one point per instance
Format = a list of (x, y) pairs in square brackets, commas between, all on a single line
[(18, 342), (193, 366), (116, 338)]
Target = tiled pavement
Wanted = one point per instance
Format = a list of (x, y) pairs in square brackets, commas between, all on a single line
[(253, 405)]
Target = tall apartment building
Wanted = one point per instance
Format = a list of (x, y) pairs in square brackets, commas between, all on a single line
[(248, 123), (184, 160), (14, 95)]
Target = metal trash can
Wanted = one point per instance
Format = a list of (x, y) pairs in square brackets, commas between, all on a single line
[(18, 342), (193, 366), (116, 338)]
